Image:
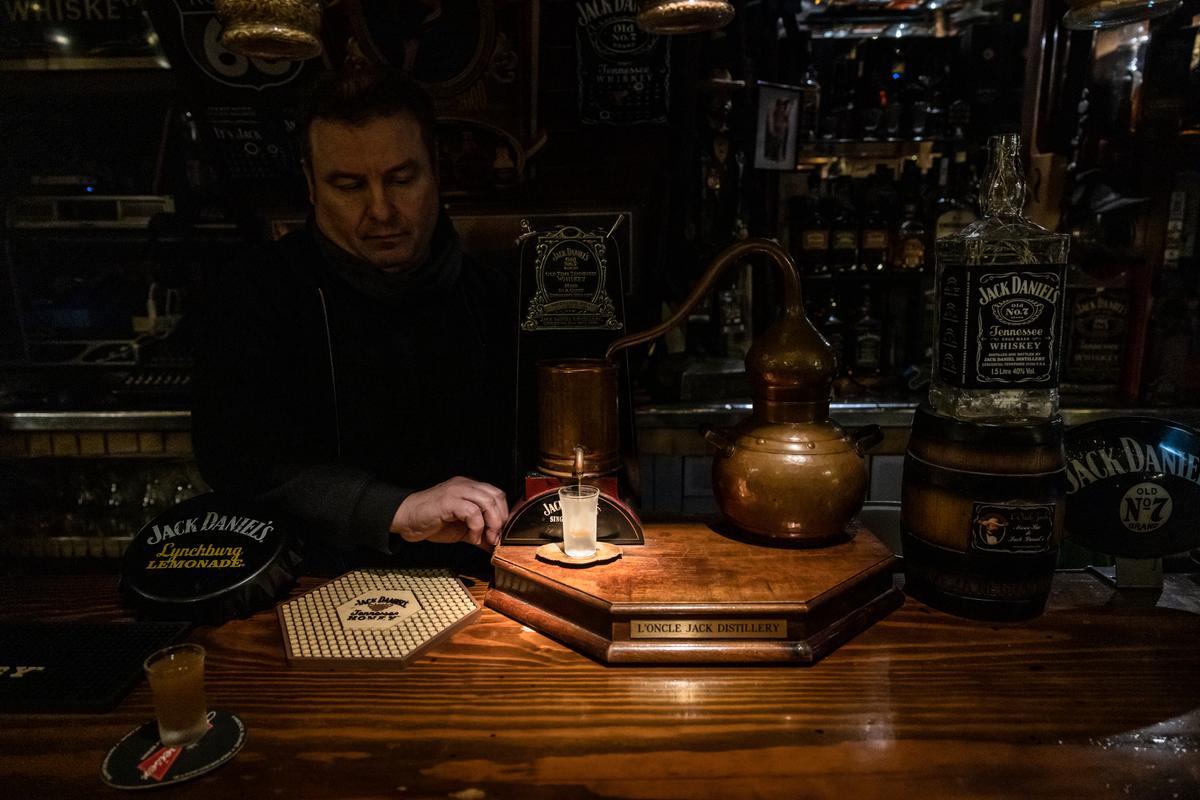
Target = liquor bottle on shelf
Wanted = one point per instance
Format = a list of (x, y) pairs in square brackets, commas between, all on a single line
[(814, 233), (918, 111), (874, 234), (1097, 318), (952, 212), (833, 327), (840, 122), (908, 240), (935, 115), (868, 341), (871, 111), (893, 112), (809, 113), (843, 229), (1001, 287)]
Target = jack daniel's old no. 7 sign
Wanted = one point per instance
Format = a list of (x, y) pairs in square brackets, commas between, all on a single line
[(1134, 486), (624, 72)]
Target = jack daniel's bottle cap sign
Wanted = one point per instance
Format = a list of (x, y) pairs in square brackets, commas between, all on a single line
[(1134, 486), (208, 560)]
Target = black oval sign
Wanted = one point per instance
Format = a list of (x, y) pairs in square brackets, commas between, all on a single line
[(1134, 486), (208, 559)]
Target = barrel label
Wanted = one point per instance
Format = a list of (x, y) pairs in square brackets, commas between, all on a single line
[(1011, 529), (1000, 327)]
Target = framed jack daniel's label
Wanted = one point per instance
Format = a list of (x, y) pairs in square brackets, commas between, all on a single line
[(570, 280), (573, 271)]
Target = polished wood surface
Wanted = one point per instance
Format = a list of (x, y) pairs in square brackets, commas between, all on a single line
[(691, 573), (1100, 697)]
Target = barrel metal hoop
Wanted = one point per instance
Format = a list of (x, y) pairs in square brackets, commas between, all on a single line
[(987, 485)]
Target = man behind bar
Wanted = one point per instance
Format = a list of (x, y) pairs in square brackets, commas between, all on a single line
[(357, 374)]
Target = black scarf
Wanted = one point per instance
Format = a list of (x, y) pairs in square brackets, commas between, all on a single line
[(436, 275)]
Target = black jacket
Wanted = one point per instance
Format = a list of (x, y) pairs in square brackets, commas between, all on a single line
[(333, 406)]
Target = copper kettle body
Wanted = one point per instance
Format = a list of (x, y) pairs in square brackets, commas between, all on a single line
[(787, 472), (794, 481)]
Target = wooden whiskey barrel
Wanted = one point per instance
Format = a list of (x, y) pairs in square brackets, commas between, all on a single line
[(982, 511)]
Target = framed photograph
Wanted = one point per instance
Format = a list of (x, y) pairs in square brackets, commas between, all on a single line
[(778, 121)]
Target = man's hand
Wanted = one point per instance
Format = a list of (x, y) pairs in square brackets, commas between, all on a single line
[(457, 510)]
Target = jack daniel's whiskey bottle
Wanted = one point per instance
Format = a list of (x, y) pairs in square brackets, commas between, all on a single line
[(1001, 285)]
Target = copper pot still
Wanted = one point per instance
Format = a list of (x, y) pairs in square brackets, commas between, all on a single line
[(577, 417), (272, 29), (787, 472)]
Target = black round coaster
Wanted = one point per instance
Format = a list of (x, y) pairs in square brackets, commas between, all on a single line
[(140, 761)]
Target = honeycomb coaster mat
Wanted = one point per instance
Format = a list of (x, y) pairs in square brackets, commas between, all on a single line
[(374, 617), (75, 666)]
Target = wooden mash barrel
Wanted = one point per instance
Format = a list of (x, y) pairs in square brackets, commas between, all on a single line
[(577, 406), (982, 511)]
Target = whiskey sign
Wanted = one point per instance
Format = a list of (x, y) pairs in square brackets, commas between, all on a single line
[(623, 71), (571, 276), (77, 34)]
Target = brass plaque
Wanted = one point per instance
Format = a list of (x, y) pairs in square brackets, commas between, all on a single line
[(708, 629)]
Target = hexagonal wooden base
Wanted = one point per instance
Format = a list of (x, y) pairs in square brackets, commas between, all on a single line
[(694, 595)]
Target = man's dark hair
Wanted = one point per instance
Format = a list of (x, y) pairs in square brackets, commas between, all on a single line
[(363, 94)]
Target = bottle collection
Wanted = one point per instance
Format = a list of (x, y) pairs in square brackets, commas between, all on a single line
[(876, 90), (880, 223), (870, 242)]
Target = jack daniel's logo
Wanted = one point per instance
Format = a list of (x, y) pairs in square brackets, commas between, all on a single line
[(597, 9), (1016, 285), (378, 610), (1129, 457), (212, 521), (1134, 486), (1101, 304)]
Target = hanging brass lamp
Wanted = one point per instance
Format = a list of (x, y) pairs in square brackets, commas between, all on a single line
[(272, 29), (683, 16)]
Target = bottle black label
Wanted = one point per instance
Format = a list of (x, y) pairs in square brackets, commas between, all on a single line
[(997, 528), (867, 350), (999, 327), (1097, 322), (845, 240)]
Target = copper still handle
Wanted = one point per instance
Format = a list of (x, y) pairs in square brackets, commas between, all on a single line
[(719, 438), (793, 306)]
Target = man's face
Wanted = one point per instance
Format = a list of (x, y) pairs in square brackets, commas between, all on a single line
[(373, 189)]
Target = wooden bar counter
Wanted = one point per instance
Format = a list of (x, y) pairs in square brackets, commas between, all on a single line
[(1100, 697)]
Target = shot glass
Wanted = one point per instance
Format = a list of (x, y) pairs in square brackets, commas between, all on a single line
[(579, 506), (176, 676)]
